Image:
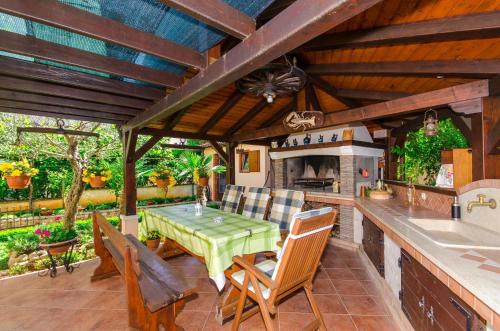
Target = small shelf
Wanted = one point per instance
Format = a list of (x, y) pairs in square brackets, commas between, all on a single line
[(329, 144)]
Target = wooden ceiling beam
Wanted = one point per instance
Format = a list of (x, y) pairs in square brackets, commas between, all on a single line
[(473, 26), (62, 110), (25, 69), (147, 146), (74, 117), (247, 117), (30, 46), (175, 119), (181, 134), (417, 102), (179, 146), (217, 14), (314, 98), (218, 148), (69, 18), (297, 24), (447, 68), (223, 110), (332, 91), (32, 86), (64, 102)]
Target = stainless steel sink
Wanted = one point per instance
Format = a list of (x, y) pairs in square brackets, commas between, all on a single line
[(455, 234)]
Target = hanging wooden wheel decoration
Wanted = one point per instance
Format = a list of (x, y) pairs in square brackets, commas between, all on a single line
[(303, 120)]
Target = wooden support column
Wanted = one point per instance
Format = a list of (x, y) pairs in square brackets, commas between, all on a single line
[(128, 212), (231, 179)]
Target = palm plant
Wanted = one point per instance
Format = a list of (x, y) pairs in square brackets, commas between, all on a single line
[(199, 166)]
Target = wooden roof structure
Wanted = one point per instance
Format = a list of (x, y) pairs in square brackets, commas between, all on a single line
[(381, 62), (356, 54)]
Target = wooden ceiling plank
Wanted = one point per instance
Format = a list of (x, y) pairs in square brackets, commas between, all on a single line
[(25, 69), (175, 119), (332, 91), (314, 98), (71, 103), (446, 68), (371, 94), (473, 26), (62, 110), (75, 117), (30, 46), (217, 14), (280, 113), (297, 24), (223, 110), (441, 97), (80, 21), (17, 84), (247, 117)]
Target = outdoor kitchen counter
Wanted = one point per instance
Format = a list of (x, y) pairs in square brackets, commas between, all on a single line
[(331, 198), (457, 268)]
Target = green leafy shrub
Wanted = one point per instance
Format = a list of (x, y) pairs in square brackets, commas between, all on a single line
[(4, 256), (17, 270), (55, 234), (153, 235), (23, 244), (213, 205)]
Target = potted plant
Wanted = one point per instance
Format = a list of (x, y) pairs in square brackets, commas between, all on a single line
[(200, 167), (57, 240), (153, 240), (17, 174), (162, 177), (97, 176), (46, 212)]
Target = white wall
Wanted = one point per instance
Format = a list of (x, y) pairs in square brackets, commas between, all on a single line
[(256, 179)]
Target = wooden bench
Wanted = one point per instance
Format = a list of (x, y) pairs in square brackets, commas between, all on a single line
[(155, 292)]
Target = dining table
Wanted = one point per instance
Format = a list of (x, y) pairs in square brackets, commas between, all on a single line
[(215, 236)]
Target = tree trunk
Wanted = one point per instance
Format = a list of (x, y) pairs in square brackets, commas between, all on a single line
[(77, 185)]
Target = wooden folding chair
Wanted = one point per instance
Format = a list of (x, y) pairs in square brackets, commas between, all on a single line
[(270, 281)]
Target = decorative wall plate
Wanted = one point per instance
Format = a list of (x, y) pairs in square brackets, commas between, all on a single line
[(303, 120)]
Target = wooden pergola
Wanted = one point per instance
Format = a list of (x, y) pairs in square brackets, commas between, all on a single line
[(382, 63)]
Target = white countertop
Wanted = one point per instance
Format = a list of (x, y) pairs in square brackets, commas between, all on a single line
[(483, 284)]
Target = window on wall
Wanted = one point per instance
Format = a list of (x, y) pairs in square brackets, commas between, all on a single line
[(249, 161)]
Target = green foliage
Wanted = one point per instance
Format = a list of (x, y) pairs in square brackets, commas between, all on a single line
[(4, 256), (213, 205), (54, 234), (153, 235), (422, 154), (17, 270), (198, 165), (24, 244)]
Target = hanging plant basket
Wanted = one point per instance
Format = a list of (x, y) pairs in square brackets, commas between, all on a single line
[(18, 182), (203, 181), (153, 244), (97, 182), (163, 183), (60, 247)]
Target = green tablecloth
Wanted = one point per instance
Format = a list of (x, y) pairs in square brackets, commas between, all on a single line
[(217, 243)]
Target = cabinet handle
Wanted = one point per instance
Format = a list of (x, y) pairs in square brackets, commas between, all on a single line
[(463, 311), (430, 315), (421, 304)]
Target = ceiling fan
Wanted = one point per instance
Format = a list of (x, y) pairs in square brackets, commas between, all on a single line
[(273, 79)]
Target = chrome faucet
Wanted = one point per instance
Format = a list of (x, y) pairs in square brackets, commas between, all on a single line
[(482, 202), (411, 194)]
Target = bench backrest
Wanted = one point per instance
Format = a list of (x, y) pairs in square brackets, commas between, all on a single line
[(101, 225)]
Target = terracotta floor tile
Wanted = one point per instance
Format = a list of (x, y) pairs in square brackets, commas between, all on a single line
[(201, 284), (361, 274), (330, 303), (323, 286), (336, 322), (333, 263), (192, 320), (321, 273), (212, 325), (370, 287), (349, 287), (374, 323), (354, 263), (296, 303), (200, 301), (363, 305), (340, 273), (256, 323), (294, 321)]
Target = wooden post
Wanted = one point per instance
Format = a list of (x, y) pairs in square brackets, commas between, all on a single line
[(232, 163), (129, 197)]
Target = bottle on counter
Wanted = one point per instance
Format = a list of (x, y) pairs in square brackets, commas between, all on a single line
[(198, 209), (455, 209)]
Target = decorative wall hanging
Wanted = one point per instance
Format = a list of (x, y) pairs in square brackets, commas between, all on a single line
[(303, 120), (273, 80), (347, 134), (430, 123)]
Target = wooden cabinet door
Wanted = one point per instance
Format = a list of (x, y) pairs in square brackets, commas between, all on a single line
[(373, 244), (429, 304)]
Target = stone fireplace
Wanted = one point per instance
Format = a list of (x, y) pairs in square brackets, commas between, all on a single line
[(313, 168)]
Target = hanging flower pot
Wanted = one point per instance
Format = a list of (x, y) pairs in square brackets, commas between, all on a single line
[(203, 181), (96, 176), (18, 182), (60, 247), (97, 182), (17, 174), (162, 177)]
